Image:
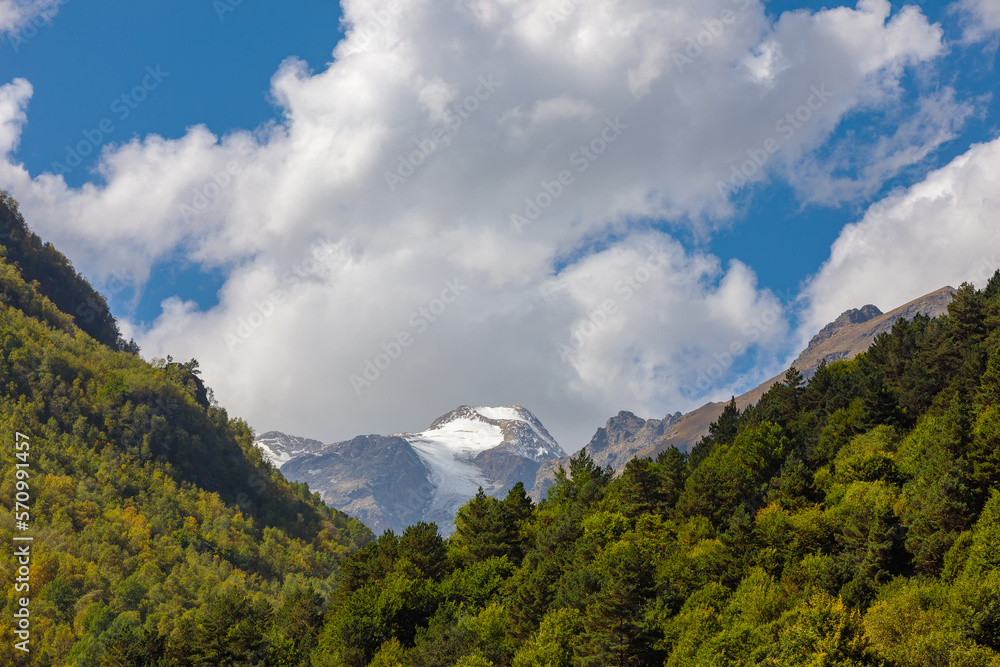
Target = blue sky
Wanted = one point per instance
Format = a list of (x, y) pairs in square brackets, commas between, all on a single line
[(919, 95), (219, 64), (777, 224), (219, 68)]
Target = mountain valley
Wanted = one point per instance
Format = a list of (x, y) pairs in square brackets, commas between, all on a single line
[(390, 482)]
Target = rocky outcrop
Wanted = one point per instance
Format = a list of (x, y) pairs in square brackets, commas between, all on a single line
[(621, 439), (391, 482), (846, 337), (279, 448), (380, 480)]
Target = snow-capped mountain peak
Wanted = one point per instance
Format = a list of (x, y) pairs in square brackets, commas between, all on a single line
[(393, 481), (471, 430), (473, 447)]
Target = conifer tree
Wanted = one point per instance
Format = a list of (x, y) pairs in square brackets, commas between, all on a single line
[(614, 633), (723, 430), (967, 311), (425, 548)]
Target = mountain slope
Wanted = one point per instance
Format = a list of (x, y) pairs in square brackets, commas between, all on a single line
[(622, 438), (390, 482), (849, 335), (147, 506), (379, 480), (850, 522), (468, 448), (279, 449), (41, 263), (844, 338)]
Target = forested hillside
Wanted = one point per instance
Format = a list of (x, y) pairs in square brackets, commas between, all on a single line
[(853, 521), (158, 529), (55, 278)]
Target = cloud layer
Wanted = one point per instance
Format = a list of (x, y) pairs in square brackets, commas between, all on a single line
[(459, 208), (982, 18), (941, 231)]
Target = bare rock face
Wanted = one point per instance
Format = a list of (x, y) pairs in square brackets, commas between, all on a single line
[(854, 316), (621, 439), (624, 436), (854, 331), (279, 448), (391, 482), (505, 468), (846, 337), (380, 480)]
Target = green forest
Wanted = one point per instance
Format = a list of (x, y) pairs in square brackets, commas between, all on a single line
[(158, 528), (850, 520)]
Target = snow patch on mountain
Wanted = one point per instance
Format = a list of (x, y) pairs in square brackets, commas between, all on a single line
[(279, 448), (515, 429), (511, 413), (453, 476), (450, 446), (394, 481)]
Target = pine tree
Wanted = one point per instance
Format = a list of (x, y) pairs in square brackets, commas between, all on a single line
[(723, 430), (486, 527), (425, 548), (614, 630), (479, 530), (231, 631), (989, 387), (794, 379), (296, 626), (967, 312), (672, 471), (720, 432), (518, 504), (135, 647), (638, 488), (516, 511), (880, 403)]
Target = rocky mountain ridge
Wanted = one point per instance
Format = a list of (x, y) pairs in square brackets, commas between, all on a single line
[(280, 448), (849, 335), (390, 482), (394, 481), (620, 439)]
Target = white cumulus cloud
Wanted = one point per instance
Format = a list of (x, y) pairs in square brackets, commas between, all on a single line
[(476, 179), (942, 231)]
